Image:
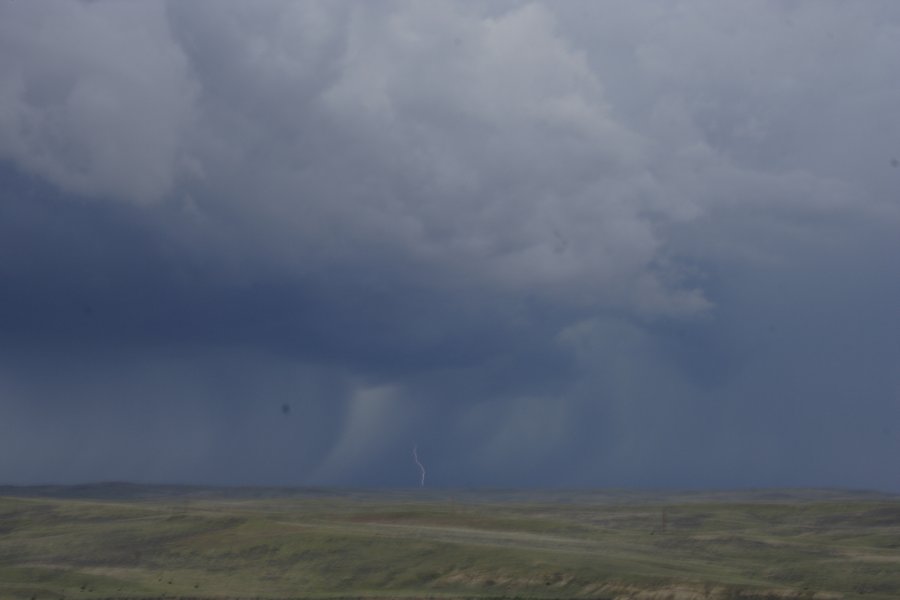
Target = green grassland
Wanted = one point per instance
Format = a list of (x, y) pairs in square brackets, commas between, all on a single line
[(121, 541)]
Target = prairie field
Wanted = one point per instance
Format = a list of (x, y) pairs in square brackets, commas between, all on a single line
[(128, 541)]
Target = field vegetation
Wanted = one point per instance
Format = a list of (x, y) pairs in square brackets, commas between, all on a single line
[(124, 541)]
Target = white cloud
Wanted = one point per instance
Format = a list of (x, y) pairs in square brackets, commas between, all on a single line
[(471, 149), (93, 96), (520, 148)]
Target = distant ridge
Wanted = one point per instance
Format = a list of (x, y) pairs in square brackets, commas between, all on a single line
[(111, 490), (123, 490)]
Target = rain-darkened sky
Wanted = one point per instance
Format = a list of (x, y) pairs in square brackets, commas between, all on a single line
[(575, 244)]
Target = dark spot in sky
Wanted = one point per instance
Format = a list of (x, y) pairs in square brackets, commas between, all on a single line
[(285, 409), (560, 243), (895, 163)]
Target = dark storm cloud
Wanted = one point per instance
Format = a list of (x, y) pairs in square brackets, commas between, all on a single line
[(550, 244), (87, 274)]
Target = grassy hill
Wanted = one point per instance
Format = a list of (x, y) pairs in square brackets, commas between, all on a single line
[(129, 541)]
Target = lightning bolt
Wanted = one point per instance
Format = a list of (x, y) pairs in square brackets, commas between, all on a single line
[(418, 464)]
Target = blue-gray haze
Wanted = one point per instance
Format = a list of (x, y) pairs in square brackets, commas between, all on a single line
[(567, 244)]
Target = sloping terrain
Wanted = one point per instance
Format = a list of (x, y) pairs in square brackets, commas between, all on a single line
[(119, 541)]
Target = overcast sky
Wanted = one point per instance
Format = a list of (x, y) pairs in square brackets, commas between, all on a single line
[(567, 244)]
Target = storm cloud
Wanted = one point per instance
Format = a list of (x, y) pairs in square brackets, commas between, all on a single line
[(574, 244)]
